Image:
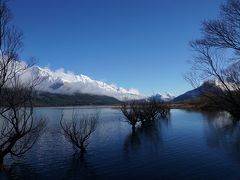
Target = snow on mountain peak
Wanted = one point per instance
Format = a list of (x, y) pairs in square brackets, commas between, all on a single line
[(166, 95), (62, 82), (163, 97)]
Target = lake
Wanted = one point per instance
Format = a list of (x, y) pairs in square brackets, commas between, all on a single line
[(187, 145)]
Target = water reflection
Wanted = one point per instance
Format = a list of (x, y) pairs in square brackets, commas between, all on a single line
[(223, 131), (79, 167), (146, 137), (74, 166), (19, 170), (173, 148)]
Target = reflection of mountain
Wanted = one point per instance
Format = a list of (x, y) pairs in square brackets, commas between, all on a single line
[(223, 132)]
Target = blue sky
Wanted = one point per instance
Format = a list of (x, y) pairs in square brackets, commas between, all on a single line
[(140, 44)]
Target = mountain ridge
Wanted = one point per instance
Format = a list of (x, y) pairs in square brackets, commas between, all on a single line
[(208, 86), (62, 82)]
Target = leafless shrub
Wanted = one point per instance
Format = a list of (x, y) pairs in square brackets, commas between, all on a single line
[(130, 111), (163, 109), (145, 112), (148, 112), (78, 129)]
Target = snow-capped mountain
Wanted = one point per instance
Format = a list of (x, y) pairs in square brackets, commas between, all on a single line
[(61, 82), (165, 97)]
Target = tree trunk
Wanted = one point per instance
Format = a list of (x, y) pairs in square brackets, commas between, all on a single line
[(1, 164), (133, 129), (82, 149)]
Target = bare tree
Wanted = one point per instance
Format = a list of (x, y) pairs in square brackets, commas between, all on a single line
[(19, 129), (10, 45), (217, 58), (149, 111), (163, 109), (145, 112), (78, 129), (130, 111)]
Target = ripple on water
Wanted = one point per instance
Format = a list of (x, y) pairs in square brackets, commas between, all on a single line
[(188, 146)]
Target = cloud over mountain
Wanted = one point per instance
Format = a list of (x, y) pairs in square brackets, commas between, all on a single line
[(62, 82), (162, 97)]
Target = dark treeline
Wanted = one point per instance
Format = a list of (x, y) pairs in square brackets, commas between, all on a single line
[(53, 99)]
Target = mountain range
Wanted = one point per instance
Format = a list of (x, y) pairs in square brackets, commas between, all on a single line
[(70, 86), (68, 83)]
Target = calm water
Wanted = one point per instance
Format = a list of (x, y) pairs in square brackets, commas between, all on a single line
[(190, 145)]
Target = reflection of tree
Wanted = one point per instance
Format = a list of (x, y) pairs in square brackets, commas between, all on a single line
[(132, 143), (223, 132), (74, 167), (79, 167), (20, 170), (145, 137)]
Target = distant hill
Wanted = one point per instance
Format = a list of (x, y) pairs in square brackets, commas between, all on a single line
[(209, 86), (53, 99)]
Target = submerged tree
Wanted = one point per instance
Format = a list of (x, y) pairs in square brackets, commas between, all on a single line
[(130, 111), (78, 130), (217, 58), (145, 112), (19, 129), (149, 111)]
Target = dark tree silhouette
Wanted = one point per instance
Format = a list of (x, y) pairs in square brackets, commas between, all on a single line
[(19, 129), (217, 58), (78, 129), (145, 112), (149, 111), (130, 111)]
